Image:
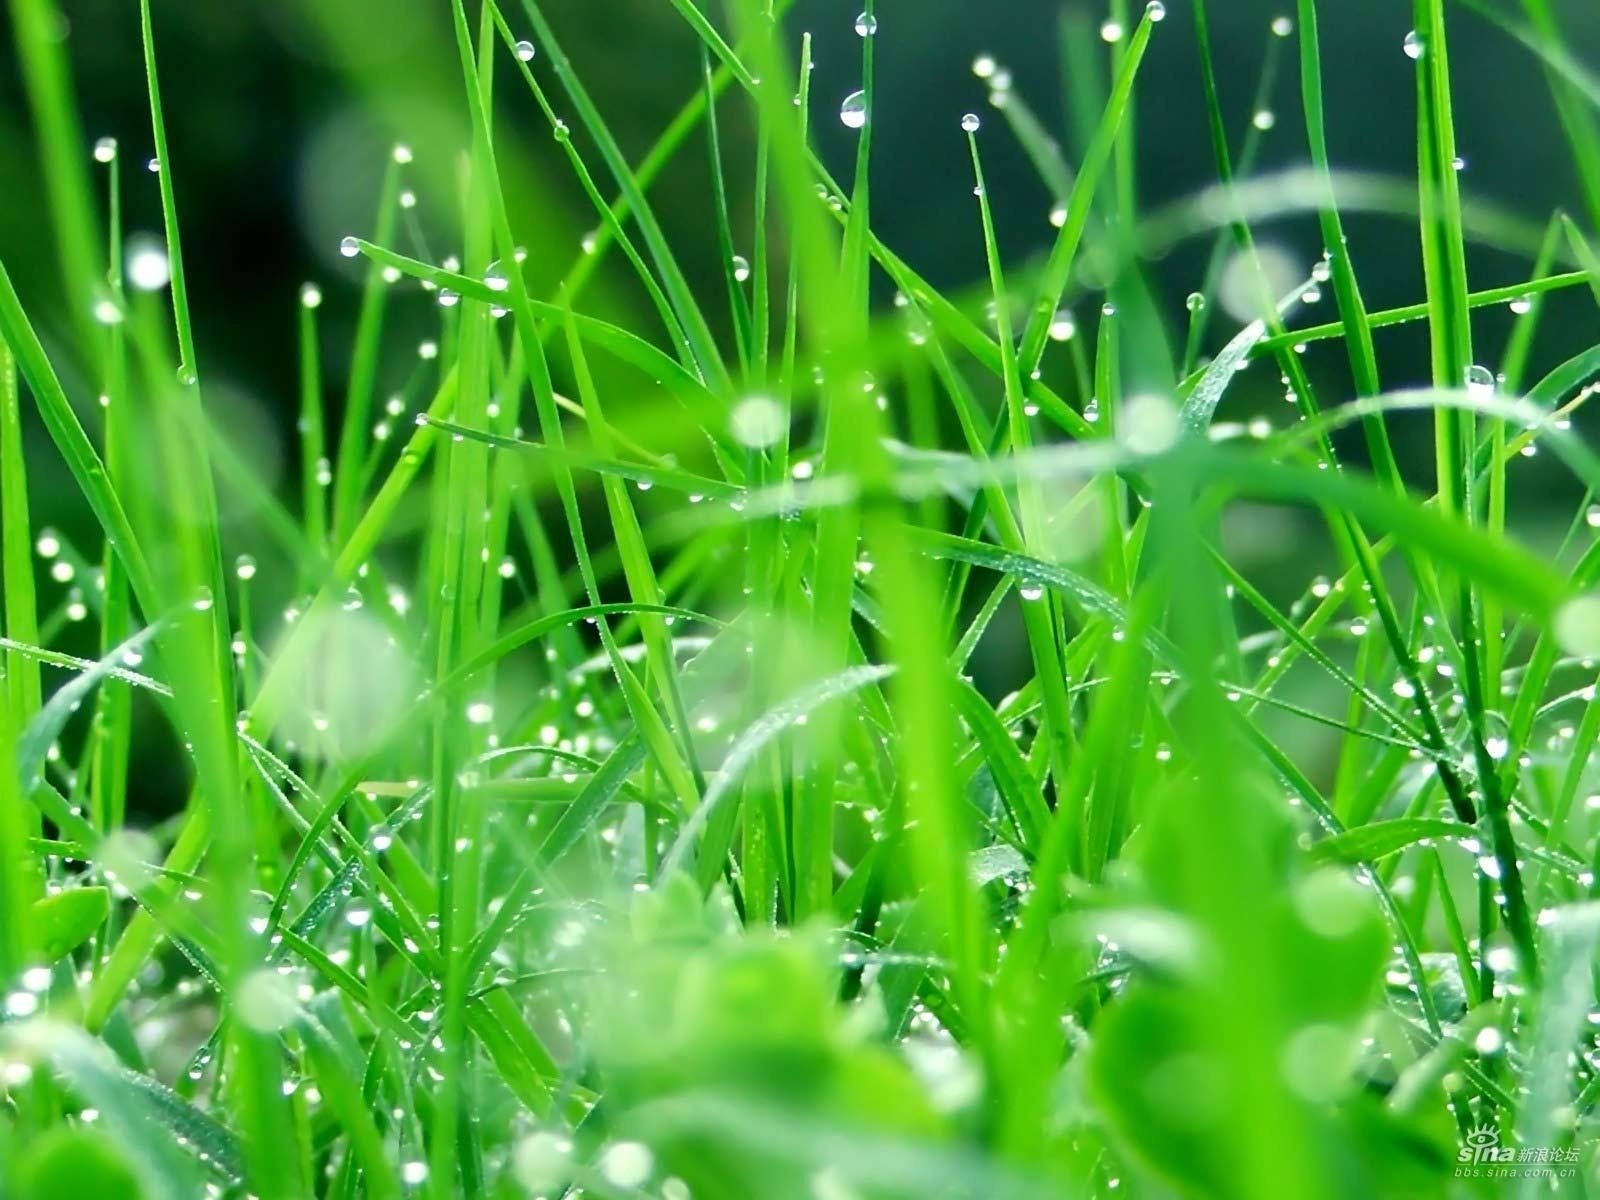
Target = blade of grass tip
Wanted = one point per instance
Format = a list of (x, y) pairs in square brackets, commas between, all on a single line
[(16, 546), (1249, 154), (1444, 262), (643, 587), (1347, 291), (707, 357), (735, 267), (1058, 269), (73, 444), (461, 485), (348, 475), (315, 471), (112, 726), (1030, 537), (851, 428), (1497, 493)]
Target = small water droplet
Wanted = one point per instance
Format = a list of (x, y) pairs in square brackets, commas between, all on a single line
[(310, 295), (970, 123), (866, 25), (1282, 27), (1156, 10), (741, 268), (1413, 45), (349, 246), (1111, 31), (1196, 302), (105, 150), (525, 51)]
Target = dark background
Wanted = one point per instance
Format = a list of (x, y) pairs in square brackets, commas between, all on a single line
[(281, 113)]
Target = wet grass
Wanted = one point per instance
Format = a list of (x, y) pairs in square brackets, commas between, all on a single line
[(587, 789)]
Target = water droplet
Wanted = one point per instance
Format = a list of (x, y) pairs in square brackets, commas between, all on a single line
[(1196, 302), (349, 246), (480, 712), (414, 1172), (970, 123), (105, 150), (984, 66), (1031, 591), (741, 268), (853, 112), (1062, 327), (542, 1161), (153, 166), (495, 279), (402, 153), (448, 299), (866, 25), (1479, 380), (627, 1164), (1577, 626), (758, 421), (1282, 27), (310, 295), (1522, 305), (107, 311), (525, 51), (147, 266), (1058, 215), (1156, 10), (1264, 119), (1111, 31), (1413, 45)]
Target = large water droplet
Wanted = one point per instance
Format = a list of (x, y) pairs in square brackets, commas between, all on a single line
[(970, 123), (1413, 45), (105, 150), (147, 266), (349, 246), (853, 112), (866, 25), (741, 268), (525, 50)]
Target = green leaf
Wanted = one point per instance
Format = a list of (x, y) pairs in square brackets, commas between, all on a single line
[(73, 1161), (1369, 843), (63, 922)]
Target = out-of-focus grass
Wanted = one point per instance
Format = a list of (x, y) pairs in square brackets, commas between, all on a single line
[(587, 792)]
